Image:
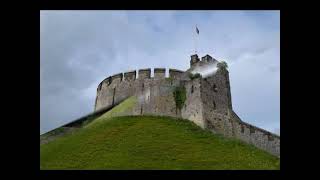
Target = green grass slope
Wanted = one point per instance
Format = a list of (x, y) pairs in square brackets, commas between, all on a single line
[(146, 142), (121, 109)]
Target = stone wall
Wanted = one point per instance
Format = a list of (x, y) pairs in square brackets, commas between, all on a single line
[(159, 99), (214, 94), (155, 94), (193, 107), (258, 137), (219, 117)]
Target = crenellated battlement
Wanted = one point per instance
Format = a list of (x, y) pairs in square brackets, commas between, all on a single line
[(144, 73), (208, 59), (159, 73), (131, 76), (106, 81), (175, 73), (117, 77)]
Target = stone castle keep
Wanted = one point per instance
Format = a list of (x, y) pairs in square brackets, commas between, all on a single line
[(207, 104)]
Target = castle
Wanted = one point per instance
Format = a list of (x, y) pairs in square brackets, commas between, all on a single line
[(207, 100)]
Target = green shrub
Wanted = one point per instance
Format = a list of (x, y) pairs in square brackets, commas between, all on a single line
[(222, 65)]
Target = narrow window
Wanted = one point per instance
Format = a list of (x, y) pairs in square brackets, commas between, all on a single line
[(191, 89), (242, 129), (214, 88), (214, 105)]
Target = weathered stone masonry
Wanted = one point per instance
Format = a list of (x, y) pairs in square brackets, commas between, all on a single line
[(208, 103)]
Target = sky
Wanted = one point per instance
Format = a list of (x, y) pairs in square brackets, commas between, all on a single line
[(78, 49)]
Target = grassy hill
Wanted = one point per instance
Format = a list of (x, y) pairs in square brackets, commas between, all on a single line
[(148, 142)]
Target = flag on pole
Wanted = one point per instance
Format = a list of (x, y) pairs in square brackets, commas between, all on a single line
[(197, 30)]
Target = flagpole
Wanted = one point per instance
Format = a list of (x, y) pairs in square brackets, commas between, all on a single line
[(195, 40)]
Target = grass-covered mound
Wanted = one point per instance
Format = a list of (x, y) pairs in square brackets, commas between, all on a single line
[(144, 142)]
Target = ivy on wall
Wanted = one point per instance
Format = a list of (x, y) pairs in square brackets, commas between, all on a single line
[(180, 96)]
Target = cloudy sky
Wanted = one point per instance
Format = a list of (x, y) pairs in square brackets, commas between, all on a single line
[(78, 49)]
